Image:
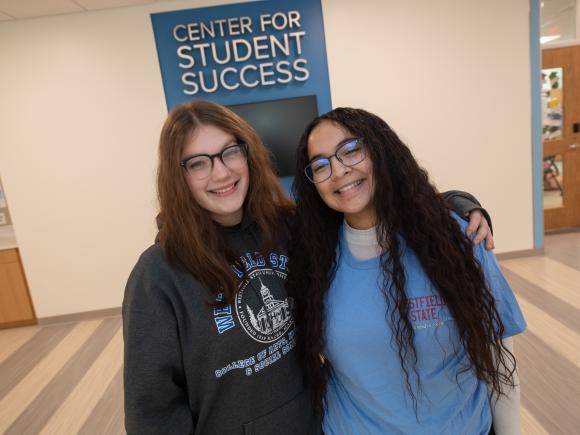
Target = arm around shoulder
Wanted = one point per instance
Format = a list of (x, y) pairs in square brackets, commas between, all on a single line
[(464, 203)]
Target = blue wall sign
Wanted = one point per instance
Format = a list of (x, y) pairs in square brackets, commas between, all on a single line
[(244, 53)]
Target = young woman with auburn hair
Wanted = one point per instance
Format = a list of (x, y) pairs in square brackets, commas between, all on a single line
[(207, 321), (208, 324), (412, 321)]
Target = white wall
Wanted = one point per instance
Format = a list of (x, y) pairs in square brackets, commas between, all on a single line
[(82, 105), (453, 79)]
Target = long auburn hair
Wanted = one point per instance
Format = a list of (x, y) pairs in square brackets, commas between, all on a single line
[(406, 204), (190, 239)]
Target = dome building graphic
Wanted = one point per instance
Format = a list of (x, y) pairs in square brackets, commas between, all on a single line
[(273, 315)]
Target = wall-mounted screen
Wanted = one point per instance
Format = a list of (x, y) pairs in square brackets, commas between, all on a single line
[(280, 124)]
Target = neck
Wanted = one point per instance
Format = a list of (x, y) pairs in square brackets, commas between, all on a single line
[(361, 221), (230, 220)]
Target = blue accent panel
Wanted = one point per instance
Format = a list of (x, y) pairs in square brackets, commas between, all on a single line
[(535, 65), (287, 185)]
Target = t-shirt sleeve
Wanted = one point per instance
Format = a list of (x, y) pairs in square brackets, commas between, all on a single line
[(506, 303)]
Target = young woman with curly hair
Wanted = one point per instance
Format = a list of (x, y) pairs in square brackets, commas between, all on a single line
[(403, 325), (208, 325)]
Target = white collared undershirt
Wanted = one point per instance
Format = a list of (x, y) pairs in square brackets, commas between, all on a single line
[(363, 244)]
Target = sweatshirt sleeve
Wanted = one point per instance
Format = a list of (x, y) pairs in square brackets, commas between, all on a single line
[(156, 399), (463, 203)]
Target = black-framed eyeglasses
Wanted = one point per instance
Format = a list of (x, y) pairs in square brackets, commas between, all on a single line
[(200, 166), (351, 152)]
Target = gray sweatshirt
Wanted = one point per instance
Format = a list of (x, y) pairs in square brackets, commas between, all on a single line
[(192, 369)]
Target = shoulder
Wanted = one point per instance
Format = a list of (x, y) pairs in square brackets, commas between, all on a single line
[(153, 255), (152, 277), (485, 258), (478, 249), (460, 220), (152, 262)]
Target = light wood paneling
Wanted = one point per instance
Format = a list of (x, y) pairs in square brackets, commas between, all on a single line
[(39, 377), (548, 352), (85, 396), (564, 248), (21, 362), (565, 342), (15, 303), (108, 416), (557, 278), (12, 339), (550, 304), (8, 256), (35, 416), (550, 384), (531, 426)]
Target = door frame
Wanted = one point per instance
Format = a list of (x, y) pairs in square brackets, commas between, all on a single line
[(536, 99)]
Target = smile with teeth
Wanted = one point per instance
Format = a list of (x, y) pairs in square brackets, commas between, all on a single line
[(349, 186), (225, 190)]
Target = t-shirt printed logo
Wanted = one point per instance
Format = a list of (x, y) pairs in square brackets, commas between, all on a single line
[(264, 315), (428, 311)]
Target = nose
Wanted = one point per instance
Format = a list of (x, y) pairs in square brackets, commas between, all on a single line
[(219, 170), (339, 169)]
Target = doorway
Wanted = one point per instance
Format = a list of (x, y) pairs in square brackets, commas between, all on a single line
[(561, 136)]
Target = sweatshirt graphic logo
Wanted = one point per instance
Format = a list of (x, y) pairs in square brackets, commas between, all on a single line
[(263, 308), (274, 315)]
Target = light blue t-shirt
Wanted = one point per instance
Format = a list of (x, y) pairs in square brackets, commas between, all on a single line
[(366, 393)]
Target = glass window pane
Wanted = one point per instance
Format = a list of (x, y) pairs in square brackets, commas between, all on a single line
[(553, 181), (558, 21)]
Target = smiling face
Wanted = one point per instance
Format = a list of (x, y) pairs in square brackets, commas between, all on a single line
[(224, 191), (349, 190)]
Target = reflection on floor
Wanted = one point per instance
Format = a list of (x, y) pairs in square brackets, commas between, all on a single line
[(67, 379)]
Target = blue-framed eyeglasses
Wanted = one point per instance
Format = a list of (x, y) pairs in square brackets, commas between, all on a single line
[(351, 152)]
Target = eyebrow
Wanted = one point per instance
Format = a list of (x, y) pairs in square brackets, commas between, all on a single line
[(338, 145)]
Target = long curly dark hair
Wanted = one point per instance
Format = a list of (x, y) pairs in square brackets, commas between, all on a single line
[(406, 205)]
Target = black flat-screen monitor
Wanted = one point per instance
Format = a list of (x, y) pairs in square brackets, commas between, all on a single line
[(280, 124)]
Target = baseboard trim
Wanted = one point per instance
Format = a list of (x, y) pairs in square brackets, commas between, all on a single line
[(565, 230), (77, 317), (520, 254), (18, 324)]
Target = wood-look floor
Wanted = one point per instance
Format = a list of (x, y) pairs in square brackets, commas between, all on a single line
[(67, 379)]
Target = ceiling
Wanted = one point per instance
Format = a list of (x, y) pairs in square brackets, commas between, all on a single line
[(20, 9)]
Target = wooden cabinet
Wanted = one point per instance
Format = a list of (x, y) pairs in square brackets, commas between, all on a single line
[(15, 304)]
